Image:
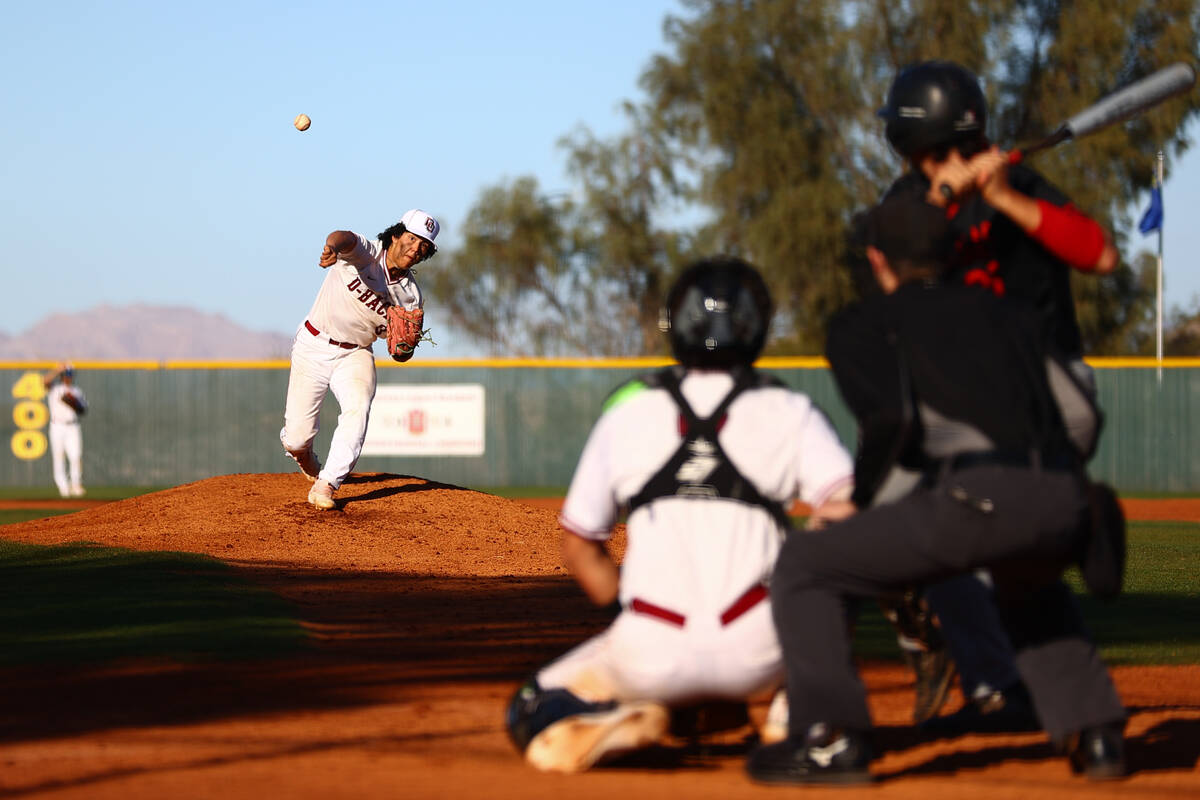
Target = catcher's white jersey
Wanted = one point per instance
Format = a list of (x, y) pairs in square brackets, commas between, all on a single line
[(352, 303), (694, 622), (60, 412), (699, 554)]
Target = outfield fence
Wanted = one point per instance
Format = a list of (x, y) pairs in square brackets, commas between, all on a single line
[(491, 423)]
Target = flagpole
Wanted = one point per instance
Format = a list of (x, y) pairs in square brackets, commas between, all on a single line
[(1159, 177)]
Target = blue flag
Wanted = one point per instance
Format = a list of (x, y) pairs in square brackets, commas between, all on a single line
[(1153, 218)]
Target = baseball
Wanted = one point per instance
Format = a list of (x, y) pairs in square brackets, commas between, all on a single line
[(302, 122)]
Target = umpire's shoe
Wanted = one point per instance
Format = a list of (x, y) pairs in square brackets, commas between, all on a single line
[(823, 756), (1097, 752), (557, 731)]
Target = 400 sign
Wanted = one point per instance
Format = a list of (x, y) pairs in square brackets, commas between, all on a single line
[(30, 416)]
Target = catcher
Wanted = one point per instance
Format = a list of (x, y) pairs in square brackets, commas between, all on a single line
[(370, 292), (705, 456)]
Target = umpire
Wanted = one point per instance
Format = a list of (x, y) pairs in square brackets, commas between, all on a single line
[(949, 380)]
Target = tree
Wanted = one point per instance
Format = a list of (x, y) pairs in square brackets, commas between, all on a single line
[(776, 99), (1182, 336), (1116, 312), (627, 184), (553, 276), (761, 116), (515, 281)]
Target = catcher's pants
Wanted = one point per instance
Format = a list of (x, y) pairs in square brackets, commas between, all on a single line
[(643, 657), (319, 367), (66, 456), (974, 632), (1022, 523)]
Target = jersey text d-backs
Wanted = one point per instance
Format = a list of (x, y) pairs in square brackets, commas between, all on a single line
[(352, 303)]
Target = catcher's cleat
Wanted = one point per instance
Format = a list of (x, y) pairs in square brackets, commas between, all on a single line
[(934, 671), (576, 743), (823, 756), (306, 459), (321, 496), (993, 711), (775, 726)]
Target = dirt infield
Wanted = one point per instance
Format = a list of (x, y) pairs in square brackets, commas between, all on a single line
[(428, 604)]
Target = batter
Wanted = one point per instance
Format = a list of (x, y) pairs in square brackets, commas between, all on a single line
[(706, 456), (332, 347)]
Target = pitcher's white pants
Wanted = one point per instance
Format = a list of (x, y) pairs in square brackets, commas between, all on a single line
[(641, 658), (318, 367), (66, 456)]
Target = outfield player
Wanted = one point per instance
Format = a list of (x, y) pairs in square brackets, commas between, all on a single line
[(706, 456), (67, 404), (332, 347), (1019, 237)]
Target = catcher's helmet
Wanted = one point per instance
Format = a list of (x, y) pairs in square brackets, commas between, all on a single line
[(933, 104), (717, 314)]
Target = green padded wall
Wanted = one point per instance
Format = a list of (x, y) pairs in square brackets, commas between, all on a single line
[(161, 426)]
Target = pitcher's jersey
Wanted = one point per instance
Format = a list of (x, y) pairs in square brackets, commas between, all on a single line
[(352, 303), (697, 554), (60, 412)]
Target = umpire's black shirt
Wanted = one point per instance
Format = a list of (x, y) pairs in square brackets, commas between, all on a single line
[(994, 253), (969, 356)]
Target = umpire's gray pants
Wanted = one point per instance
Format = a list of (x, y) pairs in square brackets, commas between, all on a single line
[(1021, 523)]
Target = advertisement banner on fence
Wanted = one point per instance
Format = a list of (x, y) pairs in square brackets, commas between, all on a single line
[(426, 420)]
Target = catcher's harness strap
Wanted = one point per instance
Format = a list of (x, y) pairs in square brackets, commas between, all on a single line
[(700, 467)]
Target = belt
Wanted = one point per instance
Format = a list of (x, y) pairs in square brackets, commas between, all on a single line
[(748, 600), (1002, 458), (334, 342)]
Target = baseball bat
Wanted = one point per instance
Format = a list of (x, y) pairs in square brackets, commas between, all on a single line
[(1117, 107)]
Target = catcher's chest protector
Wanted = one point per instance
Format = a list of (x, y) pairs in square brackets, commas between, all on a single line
[(700, 469)]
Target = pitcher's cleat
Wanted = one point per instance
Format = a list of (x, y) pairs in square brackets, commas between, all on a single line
[(307, 461), (321, 496)]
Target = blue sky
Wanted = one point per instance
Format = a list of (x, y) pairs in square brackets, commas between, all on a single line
[(147, 154)]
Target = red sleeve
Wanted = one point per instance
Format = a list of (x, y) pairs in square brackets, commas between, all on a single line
[(1069, 234)]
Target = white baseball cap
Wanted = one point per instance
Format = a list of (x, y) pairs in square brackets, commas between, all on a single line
[(421, 224)]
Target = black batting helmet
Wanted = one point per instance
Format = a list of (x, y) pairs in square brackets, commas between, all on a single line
[(934, 104), (717, 314)]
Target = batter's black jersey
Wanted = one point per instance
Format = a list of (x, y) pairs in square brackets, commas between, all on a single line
[(966, 354), (994, 252)]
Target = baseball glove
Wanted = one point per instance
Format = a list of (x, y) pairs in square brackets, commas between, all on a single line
[(403, 331), (74, 402)]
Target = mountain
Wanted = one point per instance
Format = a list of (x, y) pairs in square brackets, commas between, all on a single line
[(142, 333)]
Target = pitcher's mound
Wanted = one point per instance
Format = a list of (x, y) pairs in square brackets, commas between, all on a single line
[(382, 522)]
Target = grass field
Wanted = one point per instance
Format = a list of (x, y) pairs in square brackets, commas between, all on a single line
[(84, 603), (1152, 622), (93, 492), (96, 603), (80, 603)]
